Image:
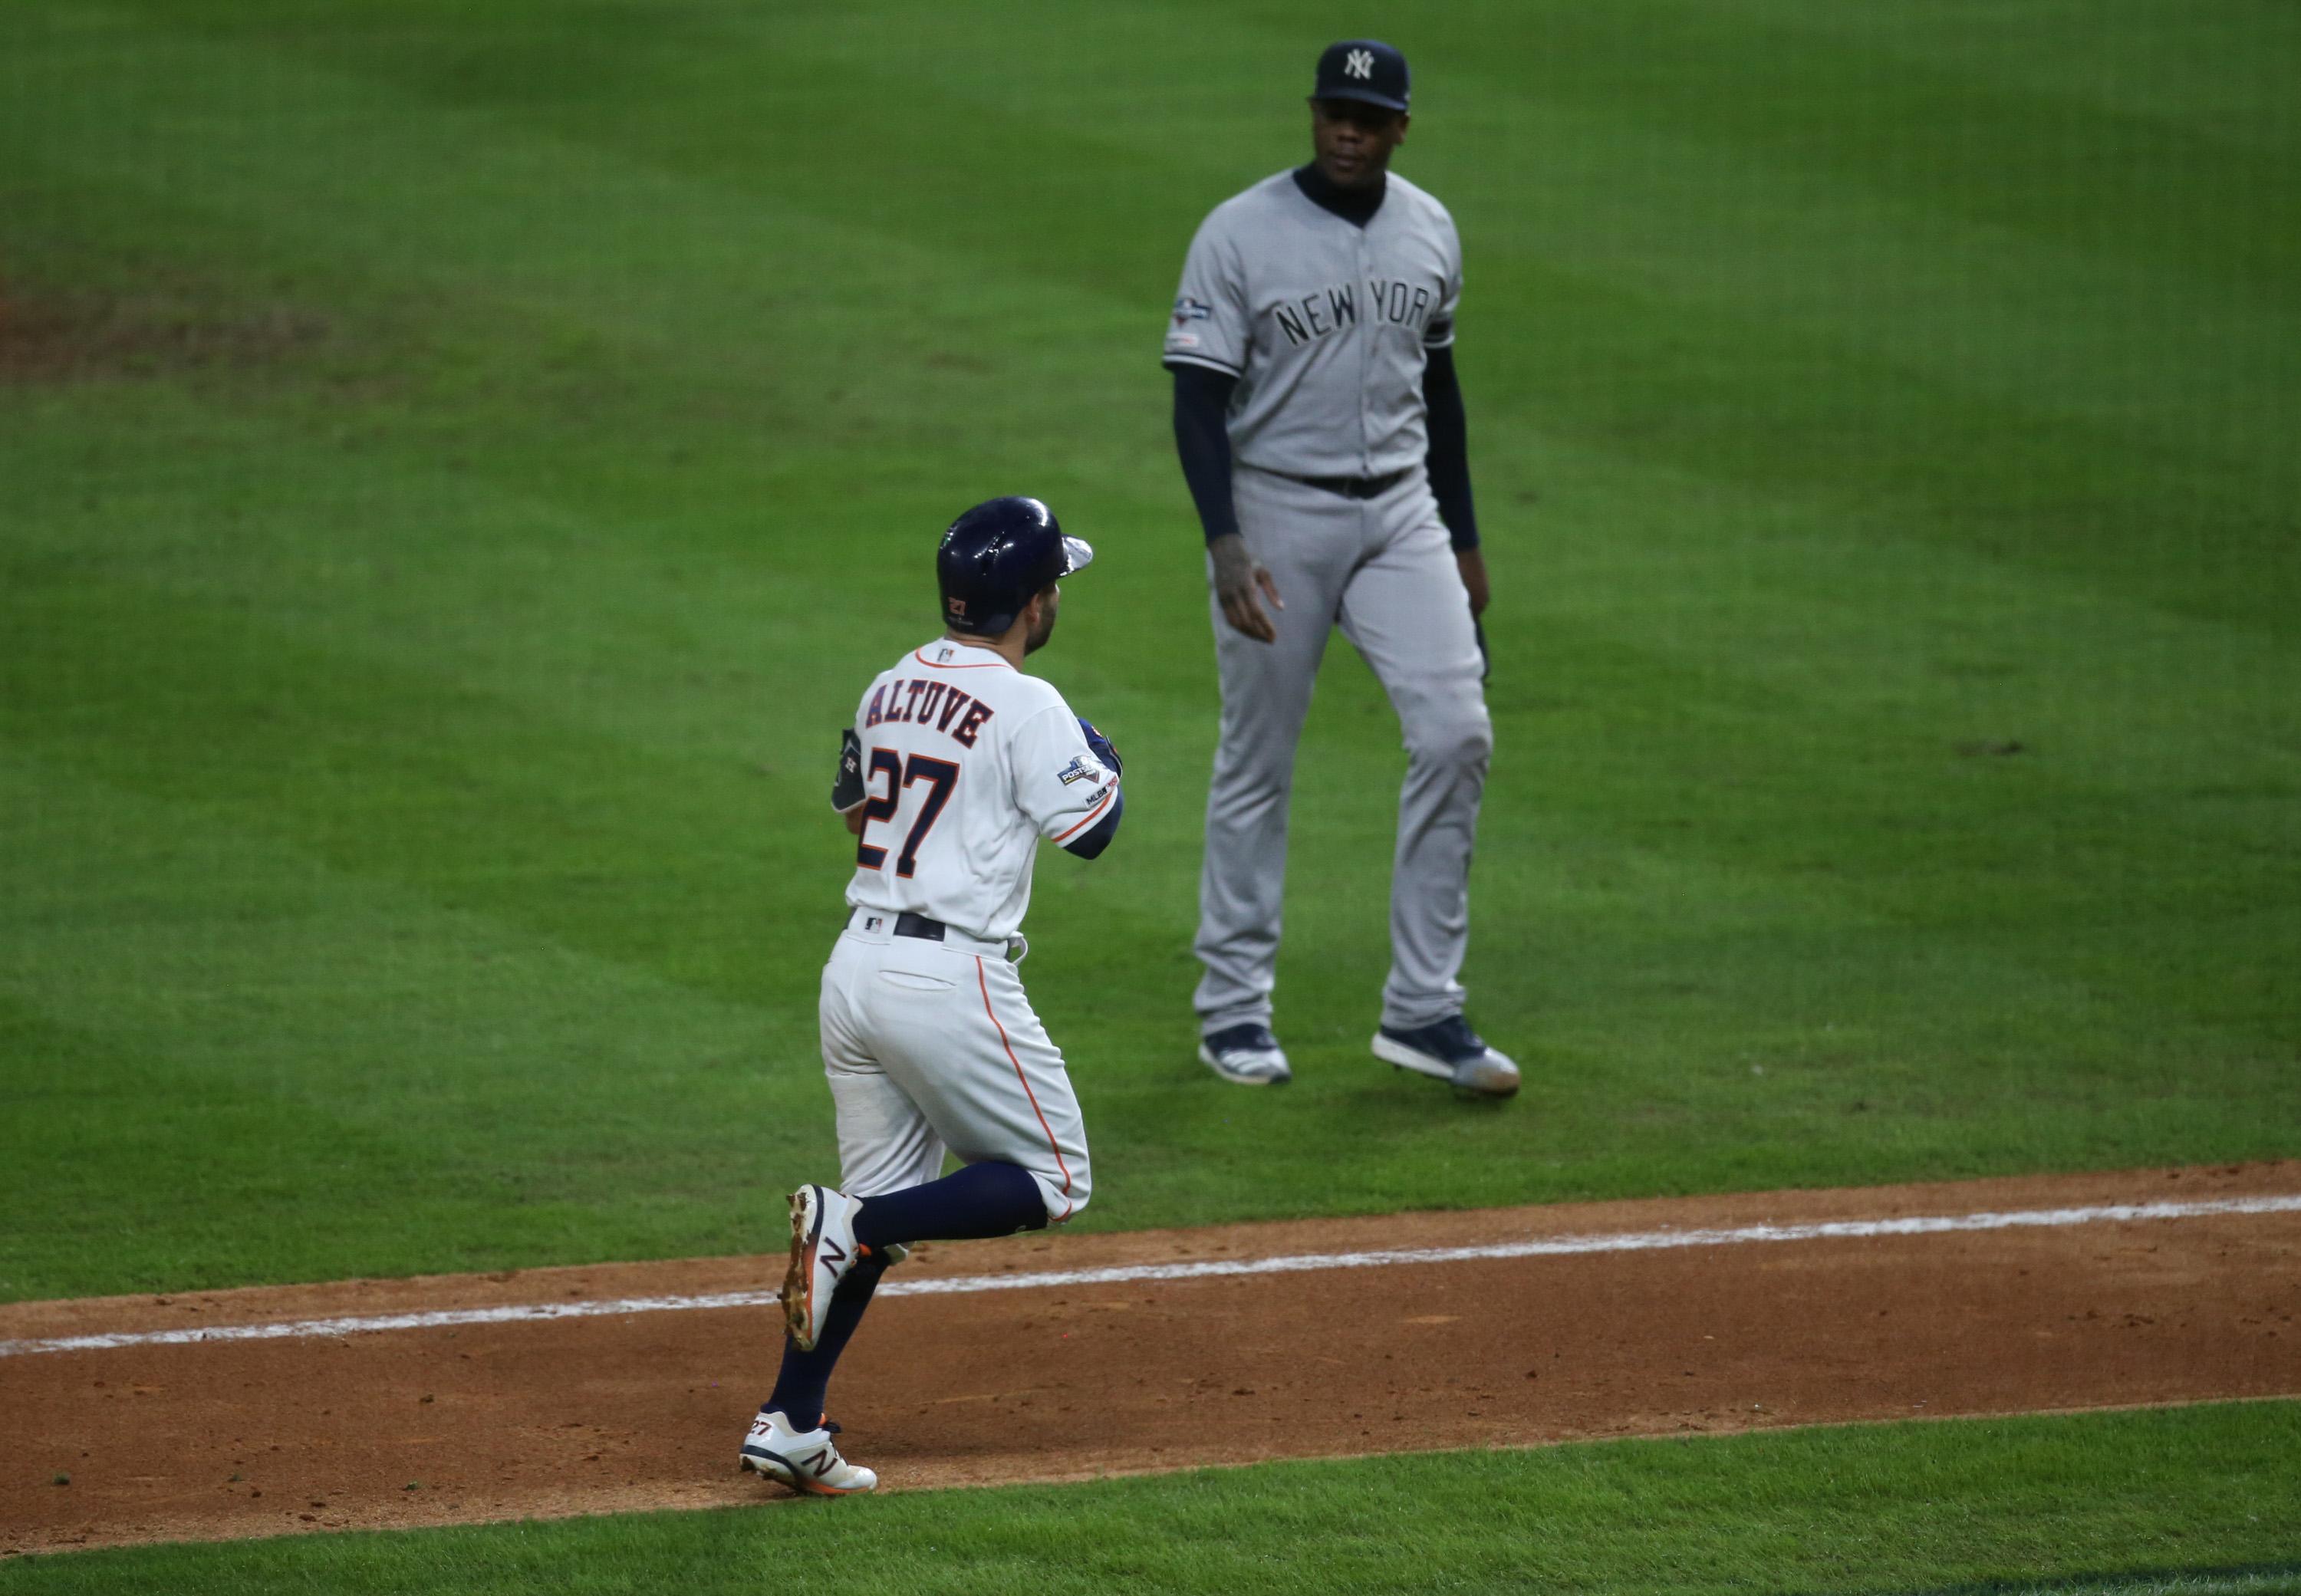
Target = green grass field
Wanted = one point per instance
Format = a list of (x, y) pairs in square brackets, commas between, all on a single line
[(457, 466)]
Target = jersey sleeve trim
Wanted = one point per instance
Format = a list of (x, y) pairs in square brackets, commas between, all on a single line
[(1091, 814), (1172, 360)]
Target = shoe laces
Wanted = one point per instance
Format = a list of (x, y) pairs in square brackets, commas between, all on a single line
[(1245, 1039), (1456, 1039), (828, 1422)]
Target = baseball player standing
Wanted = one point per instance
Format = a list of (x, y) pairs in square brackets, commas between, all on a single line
[(955, 767), (1320, 426)]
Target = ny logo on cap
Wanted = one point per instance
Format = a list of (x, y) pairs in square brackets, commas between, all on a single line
[(1359, 64)]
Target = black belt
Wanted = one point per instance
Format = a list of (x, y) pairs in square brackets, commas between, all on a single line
[(907, 925), (1352, 487)]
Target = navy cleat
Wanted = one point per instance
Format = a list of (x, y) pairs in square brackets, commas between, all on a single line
[(1452, 1052), (1246, 1055)]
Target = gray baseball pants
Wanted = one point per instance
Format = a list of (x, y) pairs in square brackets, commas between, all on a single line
[(1382, 569)]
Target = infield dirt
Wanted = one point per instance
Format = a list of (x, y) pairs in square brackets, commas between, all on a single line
[(457, 1424)]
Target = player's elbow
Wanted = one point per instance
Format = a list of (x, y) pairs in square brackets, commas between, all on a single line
[(1090, 843)]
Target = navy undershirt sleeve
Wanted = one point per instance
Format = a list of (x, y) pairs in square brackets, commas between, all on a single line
[(1450, 448), (1090, 844), (1202, 440)]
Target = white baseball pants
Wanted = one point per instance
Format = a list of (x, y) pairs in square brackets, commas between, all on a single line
[(931, 1046)]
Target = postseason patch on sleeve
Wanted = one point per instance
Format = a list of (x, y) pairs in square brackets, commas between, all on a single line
[(1081, 769), (1187, 310)]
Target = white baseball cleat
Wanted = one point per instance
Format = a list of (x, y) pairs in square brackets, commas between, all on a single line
[(1247, 1055), (805, 1461), (823, 1250), (1452, 1052)]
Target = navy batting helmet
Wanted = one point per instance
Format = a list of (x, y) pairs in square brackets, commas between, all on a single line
[(994, 558)]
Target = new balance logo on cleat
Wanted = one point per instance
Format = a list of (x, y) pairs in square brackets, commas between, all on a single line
[(806, 1460), (822, 1252)]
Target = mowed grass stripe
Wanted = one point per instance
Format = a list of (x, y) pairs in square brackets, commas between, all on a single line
[(2058, 474), (532, 576), (826, 318), (421, 779), (348, 1069), (1795, 97), (1826, 998), (2215, 69), (620, 114), (1885, 448), (1983, 848)]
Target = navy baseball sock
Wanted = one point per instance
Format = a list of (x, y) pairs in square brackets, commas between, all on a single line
[(982, 1200), (805, 1376)]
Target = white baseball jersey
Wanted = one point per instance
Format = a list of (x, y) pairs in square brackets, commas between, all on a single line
[(1325, 324), (967, 763), (930, 1044)]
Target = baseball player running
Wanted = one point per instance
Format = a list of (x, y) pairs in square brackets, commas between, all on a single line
[(1320, 426), (955, 767)]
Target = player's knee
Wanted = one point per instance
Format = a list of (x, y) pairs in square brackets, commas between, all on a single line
[(1460, 741), (1066, 1191)]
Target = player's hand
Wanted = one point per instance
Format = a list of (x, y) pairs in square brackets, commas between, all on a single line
[(1472, 564), (1239, 577)]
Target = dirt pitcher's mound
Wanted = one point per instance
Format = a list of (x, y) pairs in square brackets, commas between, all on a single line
[(1152, 1351)]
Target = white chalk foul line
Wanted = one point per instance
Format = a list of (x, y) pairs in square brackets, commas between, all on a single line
[(1122, 1274)]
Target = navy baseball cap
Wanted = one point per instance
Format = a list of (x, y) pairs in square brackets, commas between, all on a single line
[(1363, 68)]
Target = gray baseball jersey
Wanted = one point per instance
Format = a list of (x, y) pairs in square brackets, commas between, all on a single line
[(1325, 325)]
